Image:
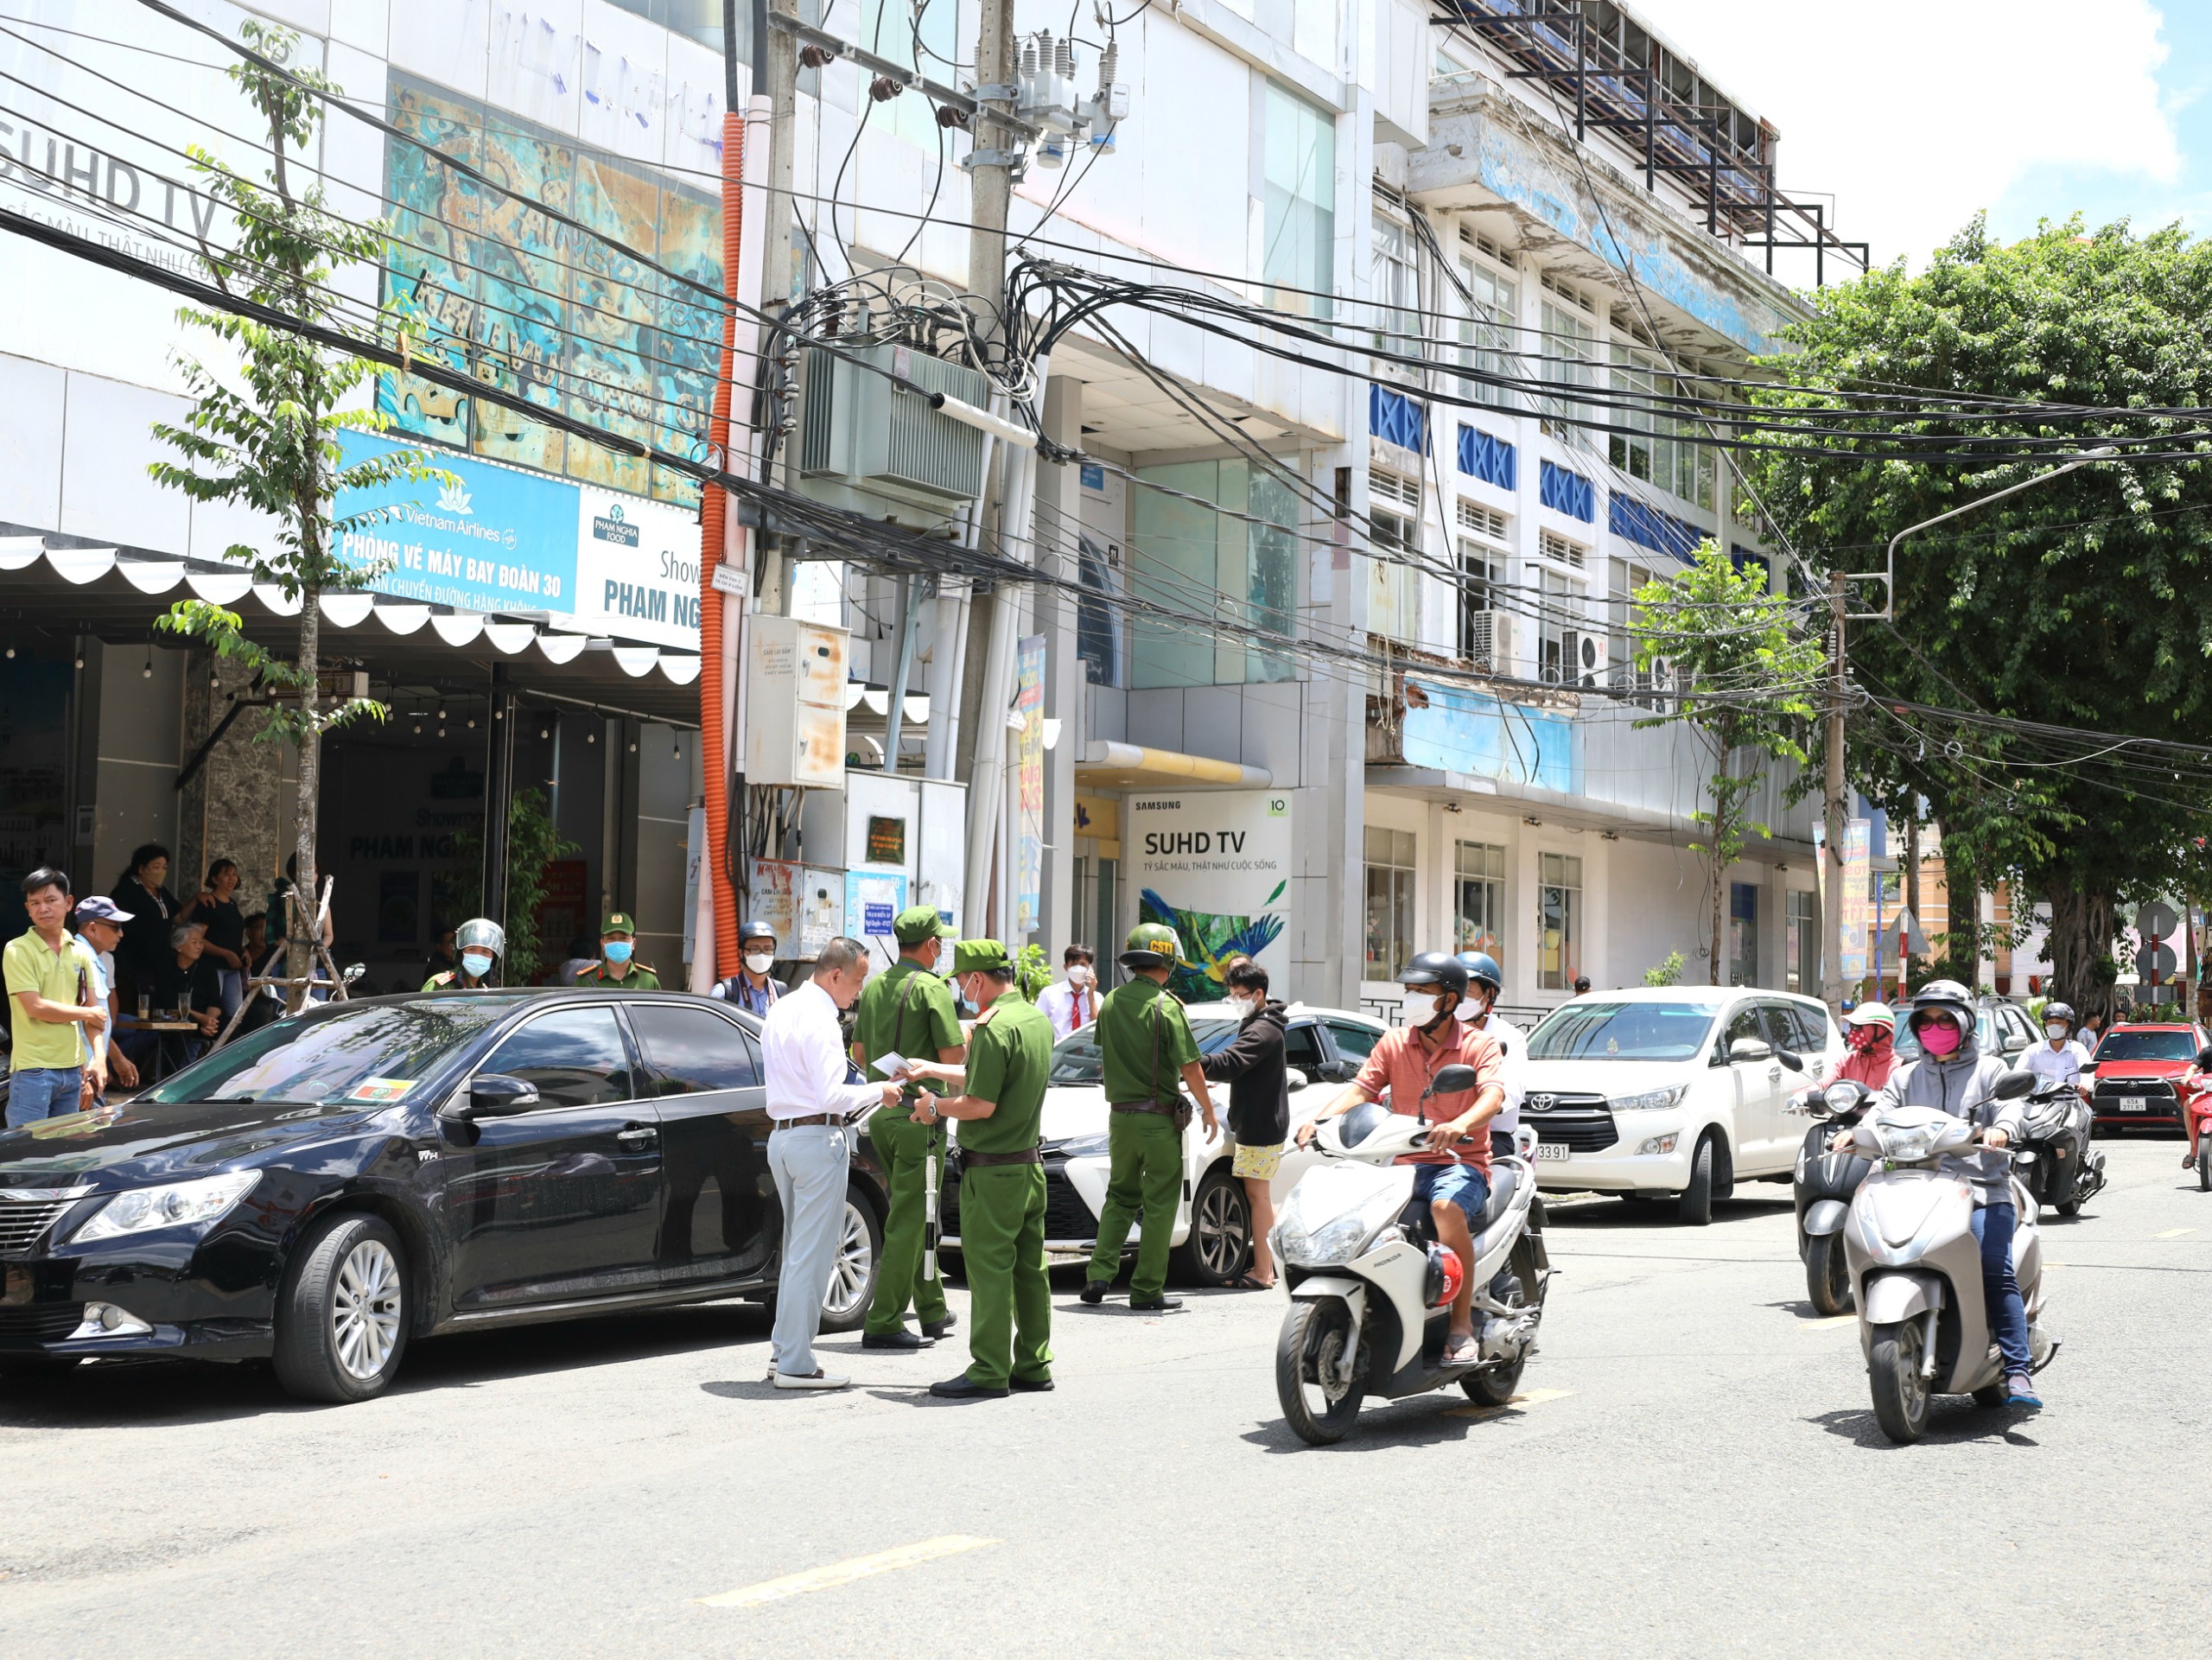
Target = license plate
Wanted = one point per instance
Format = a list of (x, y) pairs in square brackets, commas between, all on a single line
[(2133, 1103), (1547, 1151)]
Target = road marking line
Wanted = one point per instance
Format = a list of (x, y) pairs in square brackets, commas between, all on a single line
[(1835, 1320), (844, 1572), (1533, 1397), (2173, 1233)]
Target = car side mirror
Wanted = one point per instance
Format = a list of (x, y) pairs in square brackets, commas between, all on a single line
[(497, 1095), (1450, 1081), (2013, 1086), (1791, 1058), (1293, 1080), (1750, 1049), (354, 972)]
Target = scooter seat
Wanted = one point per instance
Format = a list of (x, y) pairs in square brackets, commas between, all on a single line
[(1503, 1181)]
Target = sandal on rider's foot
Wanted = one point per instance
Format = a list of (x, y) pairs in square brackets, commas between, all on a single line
[(1246, 1282), (1462, 1351), (2020, 1391)]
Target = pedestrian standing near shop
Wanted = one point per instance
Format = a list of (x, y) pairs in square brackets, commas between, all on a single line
[(1252, 1067), (215, 908), (100, 927), (751, 987), (1073, 1001), (49, 977), (142, 894), (618, 963), (812, 1101), (1146, 1046), (908, 1010), (999, 1109)]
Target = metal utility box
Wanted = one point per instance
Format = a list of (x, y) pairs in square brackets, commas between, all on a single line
[(795, 704), (870, 447)]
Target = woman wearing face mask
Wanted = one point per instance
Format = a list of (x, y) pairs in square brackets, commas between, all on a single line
[(750, 987), (1073, 1001), (1953, 1076), (1259, 1106), (480, 943), (1870, 1054)]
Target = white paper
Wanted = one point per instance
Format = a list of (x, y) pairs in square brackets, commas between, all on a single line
[(890, 1063)]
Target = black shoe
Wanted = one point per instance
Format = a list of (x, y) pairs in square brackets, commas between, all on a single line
[(895, 1340), (934, 1329), (1159, 1305), (964, 1388), (1093, 1291), (1029, 1386)]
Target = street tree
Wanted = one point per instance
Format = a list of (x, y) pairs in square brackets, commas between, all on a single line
[(2084, 603), (1743, 682), (263, 430)]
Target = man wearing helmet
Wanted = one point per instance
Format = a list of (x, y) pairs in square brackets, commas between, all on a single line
[(751, 986), (481, 942), (1453, 1174), (2059, 1057), (1485, 980), (1145, 1047), (1953, 1076)]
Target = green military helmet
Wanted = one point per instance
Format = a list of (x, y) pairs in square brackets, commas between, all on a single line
[(1152, 946)]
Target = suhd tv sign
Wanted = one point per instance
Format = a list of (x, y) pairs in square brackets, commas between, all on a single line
[(1214, 865)]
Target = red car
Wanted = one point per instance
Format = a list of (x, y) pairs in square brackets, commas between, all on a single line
[(2143, 1073)]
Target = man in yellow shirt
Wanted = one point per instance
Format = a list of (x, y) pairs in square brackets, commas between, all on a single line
[(49, 979)]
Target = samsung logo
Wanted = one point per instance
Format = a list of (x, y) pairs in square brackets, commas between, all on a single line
[(1157, 806)]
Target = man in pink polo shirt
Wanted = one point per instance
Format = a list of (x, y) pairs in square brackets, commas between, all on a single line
[(1453, 1174)]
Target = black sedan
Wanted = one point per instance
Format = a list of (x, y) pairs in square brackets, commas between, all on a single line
[(324, 1189)]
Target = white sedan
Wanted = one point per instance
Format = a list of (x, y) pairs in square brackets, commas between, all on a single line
[(1213, 1221)]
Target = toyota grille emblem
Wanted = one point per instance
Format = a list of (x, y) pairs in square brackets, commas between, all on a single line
[(1542, 1102)]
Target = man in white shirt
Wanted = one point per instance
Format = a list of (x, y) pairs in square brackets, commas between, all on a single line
[(1485, 981), (814, 1096), (2059, 1056), (1073, 1001)]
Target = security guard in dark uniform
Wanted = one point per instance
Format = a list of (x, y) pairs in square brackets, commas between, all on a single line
[(1000, 1111), (908, 1010), (1145, 1045), (616, 966)]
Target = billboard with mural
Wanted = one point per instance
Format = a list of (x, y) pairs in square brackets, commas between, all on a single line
[(1214, 865)]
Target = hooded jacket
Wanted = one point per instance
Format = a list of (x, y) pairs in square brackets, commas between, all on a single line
[(1252, 1065), (1960, 1083), (1874, 1068)]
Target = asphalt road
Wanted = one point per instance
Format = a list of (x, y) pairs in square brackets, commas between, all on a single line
[(1694, 1470)]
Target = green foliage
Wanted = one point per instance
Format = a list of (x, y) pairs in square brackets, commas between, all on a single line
[(533, 843), (1033, 971), (1746, 684), (1666, 973)]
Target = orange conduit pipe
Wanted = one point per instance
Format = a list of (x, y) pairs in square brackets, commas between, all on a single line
[(714, 520)]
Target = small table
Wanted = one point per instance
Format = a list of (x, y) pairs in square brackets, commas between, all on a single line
[(167, 1049)]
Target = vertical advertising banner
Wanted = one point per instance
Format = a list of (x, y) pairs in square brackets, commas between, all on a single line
[(1214, 865), (1858, 902), (1029, 781)]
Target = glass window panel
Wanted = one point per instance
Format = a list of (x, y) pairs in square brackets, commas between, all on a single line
[(1478, 920), (575, 1057), (1559, 921), (1300, 168)]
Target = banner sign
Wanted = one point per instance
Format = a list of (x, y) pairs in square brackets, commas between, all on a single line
[(1215, 867), (1029, 778), (1858, 900), (637, 568)]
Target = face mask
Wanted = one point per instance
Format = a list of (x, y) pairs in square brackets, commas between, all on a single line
[(2055, 1030), (760, 962), (1421, 1007), (1239, 1007), (1474, 1008), (476, 965), (1937, 1039), (617, 950), (1863, 1038), (1080, 975)]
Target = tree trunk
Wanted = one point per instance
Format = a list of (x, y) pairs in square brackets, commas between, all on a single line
[(1961, 943), (2081, 950), (1716, 869), (1911, 890), (304, 931)]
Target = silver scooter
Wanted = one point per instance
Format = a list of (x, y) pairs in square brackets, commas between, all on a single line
[(1915, 1266), (1371, 1288)]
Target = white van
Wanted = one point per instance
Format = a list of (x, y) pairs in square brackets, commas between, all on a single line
[(1672, 1092)]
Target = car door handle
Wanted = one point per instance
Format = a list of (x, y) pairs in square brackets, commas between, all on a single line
[(636, 1132)]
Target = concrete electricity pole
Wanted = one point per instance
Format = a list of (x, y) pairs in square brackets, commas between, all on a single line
[(1832, 854)]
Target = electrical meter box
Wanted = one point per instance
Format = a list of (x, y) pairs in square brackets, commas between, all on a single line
[(795, 704)]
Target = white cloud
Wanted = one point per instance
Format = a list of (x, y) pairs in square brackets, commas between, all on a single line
[(1916, 113)]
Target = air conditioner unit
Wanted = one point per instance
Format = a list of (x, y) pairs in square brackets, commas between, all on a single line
[(1591, 656), (1492, 638), (871, 446)]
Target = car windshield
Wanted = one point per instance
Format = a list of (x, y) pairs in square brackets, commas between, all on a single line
[(1907, 1047), (2147, 1045), (1595, 1030), (369, 1052), (1075, 1059)]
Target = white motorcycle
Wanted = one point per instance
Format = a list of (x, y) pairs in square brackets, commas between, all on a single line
[(1916, 1267), (1371, 1287)]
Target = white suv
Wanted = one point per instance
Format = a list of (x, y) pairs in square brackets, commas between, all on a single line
[(1671, 1093)]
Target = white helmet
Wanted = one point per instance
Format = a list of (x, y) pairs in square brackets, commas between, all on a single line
[(483, 934), (1871, 1014)]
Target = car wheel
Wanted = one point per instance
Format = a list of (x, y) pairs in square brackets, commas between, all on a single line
[(1220, 1247), (852, 1272), (1694, 1207), (341, 1321)]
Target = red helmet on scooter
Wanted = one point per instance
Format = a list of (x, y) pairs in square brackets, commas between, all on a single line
[(1445, 1276)]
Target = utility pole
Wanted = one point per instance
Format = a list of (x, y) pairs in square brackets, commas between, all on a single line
[(1831, 899)]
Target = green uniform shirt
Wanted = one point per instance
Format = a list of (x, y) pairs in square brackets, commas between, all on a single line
[(639, 978), (1009, 1057), (895, 1018), (451, 980), (66, 976), (1144, 1042)]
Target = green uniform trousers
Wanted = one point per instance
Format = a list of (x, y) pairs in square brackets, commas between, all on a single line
[(1145, 1177), (901, 1145), (1010, 1298)]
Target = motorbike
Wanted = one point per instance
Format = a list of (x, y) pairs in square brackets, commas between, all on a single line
[(2053, 1157), (1371, 1286), (1916, 1267), (1823, 1187)]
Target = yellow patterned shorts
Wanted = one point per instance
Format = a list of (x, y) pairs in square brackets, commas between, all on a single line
[(1260, 1163)]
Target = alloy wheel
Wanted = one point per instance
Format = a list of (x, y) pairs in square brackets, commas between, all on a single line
[(853, 1267), (364, 1308), (1222, 1229)]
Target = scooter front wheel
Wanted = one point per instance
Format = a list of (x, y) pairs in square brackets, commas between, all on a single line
[(1894, 1369), (2204, 1161), (1828, 1276), (1317, 1399)]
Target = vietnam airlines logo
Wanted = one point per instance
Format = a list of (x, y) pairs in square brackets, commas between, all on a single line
[(453, 498)]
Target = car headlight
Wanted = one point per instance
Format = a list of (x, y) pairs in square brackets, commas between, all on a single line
[(172, 1204), (1649, 1101), (1656, 1147), (1084, 1147)]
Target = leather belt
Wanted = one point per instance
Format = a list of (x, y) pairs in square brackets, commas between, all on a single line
[(835, 1120), (984, 1161), (1166, 1110)]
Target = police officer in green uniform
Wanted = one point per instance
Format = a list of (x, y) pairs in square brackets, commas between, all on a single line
[(617, 966), (1001, 1181), (1145, 1044), (908, 1010), (482, 943)]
